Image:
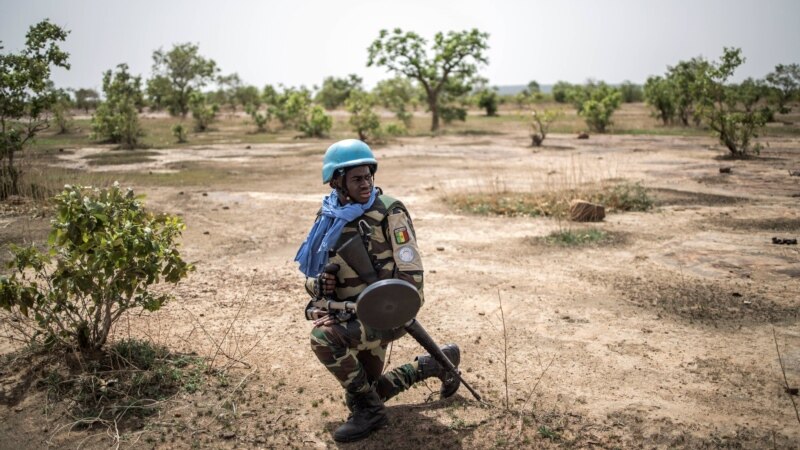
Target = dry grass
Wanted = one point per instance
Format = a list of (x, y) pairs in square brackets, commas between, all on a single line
[(623, 196)]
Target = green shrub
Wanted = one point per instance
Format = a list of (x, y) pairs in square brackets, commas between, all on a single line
[(596, 103), (335, 91), (631, 93), (25, 96), (316, 123), (104, 253), (62, 115), (625, 197), (137, 353), (570, 237), (117, 118), (396, 95), (561, 91), (203, 113), (488, 100), (292, 107), (658, 93), (260, 119), (179, 131), (396, 129), (363, 119), (729, 110), (540, 124)]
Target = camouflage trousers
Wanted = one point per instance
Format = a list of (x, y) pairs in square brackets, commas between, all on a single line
[(355, 354)]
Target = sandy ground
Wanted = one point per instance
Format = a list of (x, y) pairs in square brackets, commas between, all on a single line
[(661, 338)]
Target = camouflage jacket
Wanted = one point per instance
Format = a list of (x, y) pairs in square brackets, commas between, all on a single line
[(392, 248)]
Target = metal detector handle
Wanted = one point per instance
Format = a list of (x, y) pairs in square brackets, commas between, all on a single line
[(415, 329)]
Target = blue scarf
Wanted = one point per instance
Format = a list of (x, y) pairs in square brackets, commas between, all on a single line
[(313, 254)]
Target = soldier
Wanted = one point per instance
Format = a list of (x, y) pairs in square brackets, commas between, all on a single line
[(351, 351)]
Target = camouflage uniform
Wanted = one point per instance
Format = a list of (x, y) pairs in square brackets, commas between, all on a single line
[(353, 352)]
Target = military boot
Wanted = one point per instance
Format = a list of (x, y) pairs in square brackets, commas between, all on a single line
[(428, 367), (368, 415)]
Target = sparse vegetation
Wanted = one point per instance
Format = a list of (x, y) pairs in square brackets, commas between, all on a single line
[(130, 380), (316, 123), (203, 112), (596, 102), (540, 122), (117, 119), (335, 91), (577, 281), (576, 237), (26, 96), (616, 197), (105, 252), (455, 60), (362, 118), (179, 131), (727, 109), (177, 74)]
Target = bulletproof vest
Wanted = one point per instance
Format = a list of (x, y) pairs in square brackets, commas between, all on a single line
[(379, 248)]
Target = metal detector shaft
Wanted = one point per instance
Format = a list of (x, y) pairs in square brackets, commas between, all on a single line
[(415, 329)]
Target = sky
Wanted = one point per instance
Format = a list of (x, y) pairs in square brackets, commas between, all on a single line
[(302, 42)]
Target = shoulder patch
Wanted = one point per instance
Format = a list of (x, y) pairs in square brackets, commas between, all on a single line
[(404, 243)]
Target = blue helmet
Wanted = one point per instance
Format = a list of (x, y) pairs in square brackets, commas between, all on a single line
[(344, 154)]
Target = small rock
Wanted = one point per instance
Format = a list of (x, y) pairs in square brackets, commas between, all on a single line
[(725, 169), (794, 173), (227, 435), (583, 211), (440, 249), (18, 409), (583, 136)]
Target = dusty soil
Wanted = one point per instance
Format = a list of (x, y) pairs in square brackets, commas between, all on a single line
[(662, 338)]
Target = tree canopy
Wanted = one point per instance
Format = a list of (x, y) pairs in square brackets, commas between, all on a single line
[(26, 95), (335, 91), (456, 55), (179, 72)]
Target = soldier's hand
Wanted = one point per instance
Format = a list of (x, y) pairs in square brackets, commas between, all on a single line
[(327, 283), (325, 321)]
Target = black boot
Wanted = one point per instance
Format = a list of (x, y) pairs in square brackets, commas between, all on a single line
[(428, 367), (368, 415)]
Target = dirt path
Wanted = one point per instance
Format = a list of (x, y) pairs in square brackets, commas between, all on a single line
[(662, 337)]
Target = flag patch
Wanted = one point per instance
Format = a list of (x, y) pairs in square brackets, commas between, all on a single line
[(401, 235)]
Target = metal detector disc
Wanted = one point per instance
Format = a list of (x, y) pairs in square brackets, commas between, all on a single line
[(388, 304)]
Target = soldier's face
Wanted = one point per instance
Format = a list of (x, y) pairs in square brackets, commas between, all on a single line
[(358, 182)]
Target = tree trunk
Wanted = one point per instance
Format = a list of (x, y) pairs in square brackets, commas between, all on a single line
[(434, 107)]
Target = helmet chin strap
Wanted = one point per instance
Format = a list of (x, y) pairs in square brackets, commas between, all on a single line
[(341, 187)]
